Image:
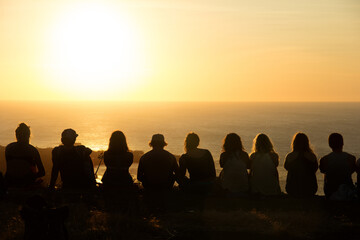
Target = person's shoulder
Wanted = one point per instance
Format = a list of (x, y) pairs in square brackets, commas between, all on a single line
[(310, 155), (32, 148), (291, 155), (129, 154), (350, 156), (82, 148), (146, 155), (10, 146), (252, 155), (326, 157), (169, 154), (244, 154), (206, 152), (274, 155), (57, 149), (183, 157)]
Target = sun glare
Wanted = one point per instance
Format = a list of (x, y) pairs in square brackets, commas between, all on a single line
[(95, 50)]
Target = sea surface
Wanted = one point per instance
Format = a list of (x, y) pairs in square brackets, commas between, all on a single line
[(95, 121)]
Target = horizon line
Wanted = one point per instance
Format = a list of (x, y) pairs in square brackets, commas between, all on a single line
[(170, 101)]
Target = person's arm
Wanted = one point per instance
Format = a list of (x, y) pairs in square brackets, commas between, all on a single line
[(322, 166), (140, 171), (106, 159), (313, 160), (39, 164), (212, 165), (287, 163), (352, 162), (130, 159), (246, 160), (358, 166), (222, 160), (251, 157), (275, 158), (55, 168), (182, 167)]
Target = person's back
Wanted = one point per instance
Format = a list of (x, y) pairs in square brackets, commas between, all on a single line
[(264, 178), (156, 169), (337, 166), (117, 169), (73, 162), (234, 176), (235, 162), (75, 166), (23, 162), (301, 178), (200, 165), (2, 186)]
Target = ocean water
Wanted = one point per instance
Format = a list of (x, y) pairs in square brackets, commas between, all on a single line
[(95, 121)]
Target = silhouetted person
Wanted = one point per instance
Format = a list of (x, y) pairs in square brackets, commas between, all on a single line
[(301, 165), (200, 165), (73, 162), (358, 175), (117, 160), (337, 166), (264, 177), (23, 162), (235, 162), (157, 168), (2, 186)]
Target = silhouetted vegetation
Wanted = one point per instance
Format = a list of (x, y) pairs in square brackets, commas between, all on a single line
[(179, 216)]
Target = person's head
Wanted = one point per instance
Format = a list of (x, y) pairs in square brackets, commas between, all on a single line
[(157, 141), (232, 143), (263, 144), (68, 137), (22, 133), (192, 141), (301, 143), (336, 141), (118, 142)]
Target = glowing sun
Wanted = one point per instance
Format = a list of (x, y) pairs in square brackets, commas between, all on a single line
[(95, 49)]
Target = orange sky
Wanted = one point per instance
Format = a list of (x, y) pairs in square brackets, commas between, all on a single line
[(213, 50)]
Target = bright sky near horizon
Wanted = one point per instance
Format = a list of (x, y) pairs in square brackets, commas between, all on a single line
[(198, 50)]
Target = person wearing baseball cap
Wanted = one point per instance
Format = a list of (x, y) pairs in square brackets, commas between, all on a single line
[(157, 168), (73, 162)]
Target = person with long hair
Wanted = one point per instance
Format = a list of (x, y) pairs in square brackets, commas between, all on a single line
[(264, 177), (118, 160), (235, 162), (23, 162), (301, 164), (200, 165)]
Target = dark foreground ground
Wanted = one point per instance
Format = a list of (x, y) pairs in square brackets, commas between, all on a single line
[(180, 216)]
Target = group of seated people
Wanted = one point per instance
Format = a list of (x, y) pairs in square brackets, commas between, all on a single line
[(158, 169)]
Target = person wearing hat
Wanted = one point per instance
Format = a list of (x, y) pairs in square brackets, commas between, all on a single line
[(23, 163), (73, 162), (157, 168)]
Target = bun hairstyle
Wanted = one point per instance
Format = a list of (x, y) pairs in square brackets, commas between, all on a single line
[(22, 132)]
